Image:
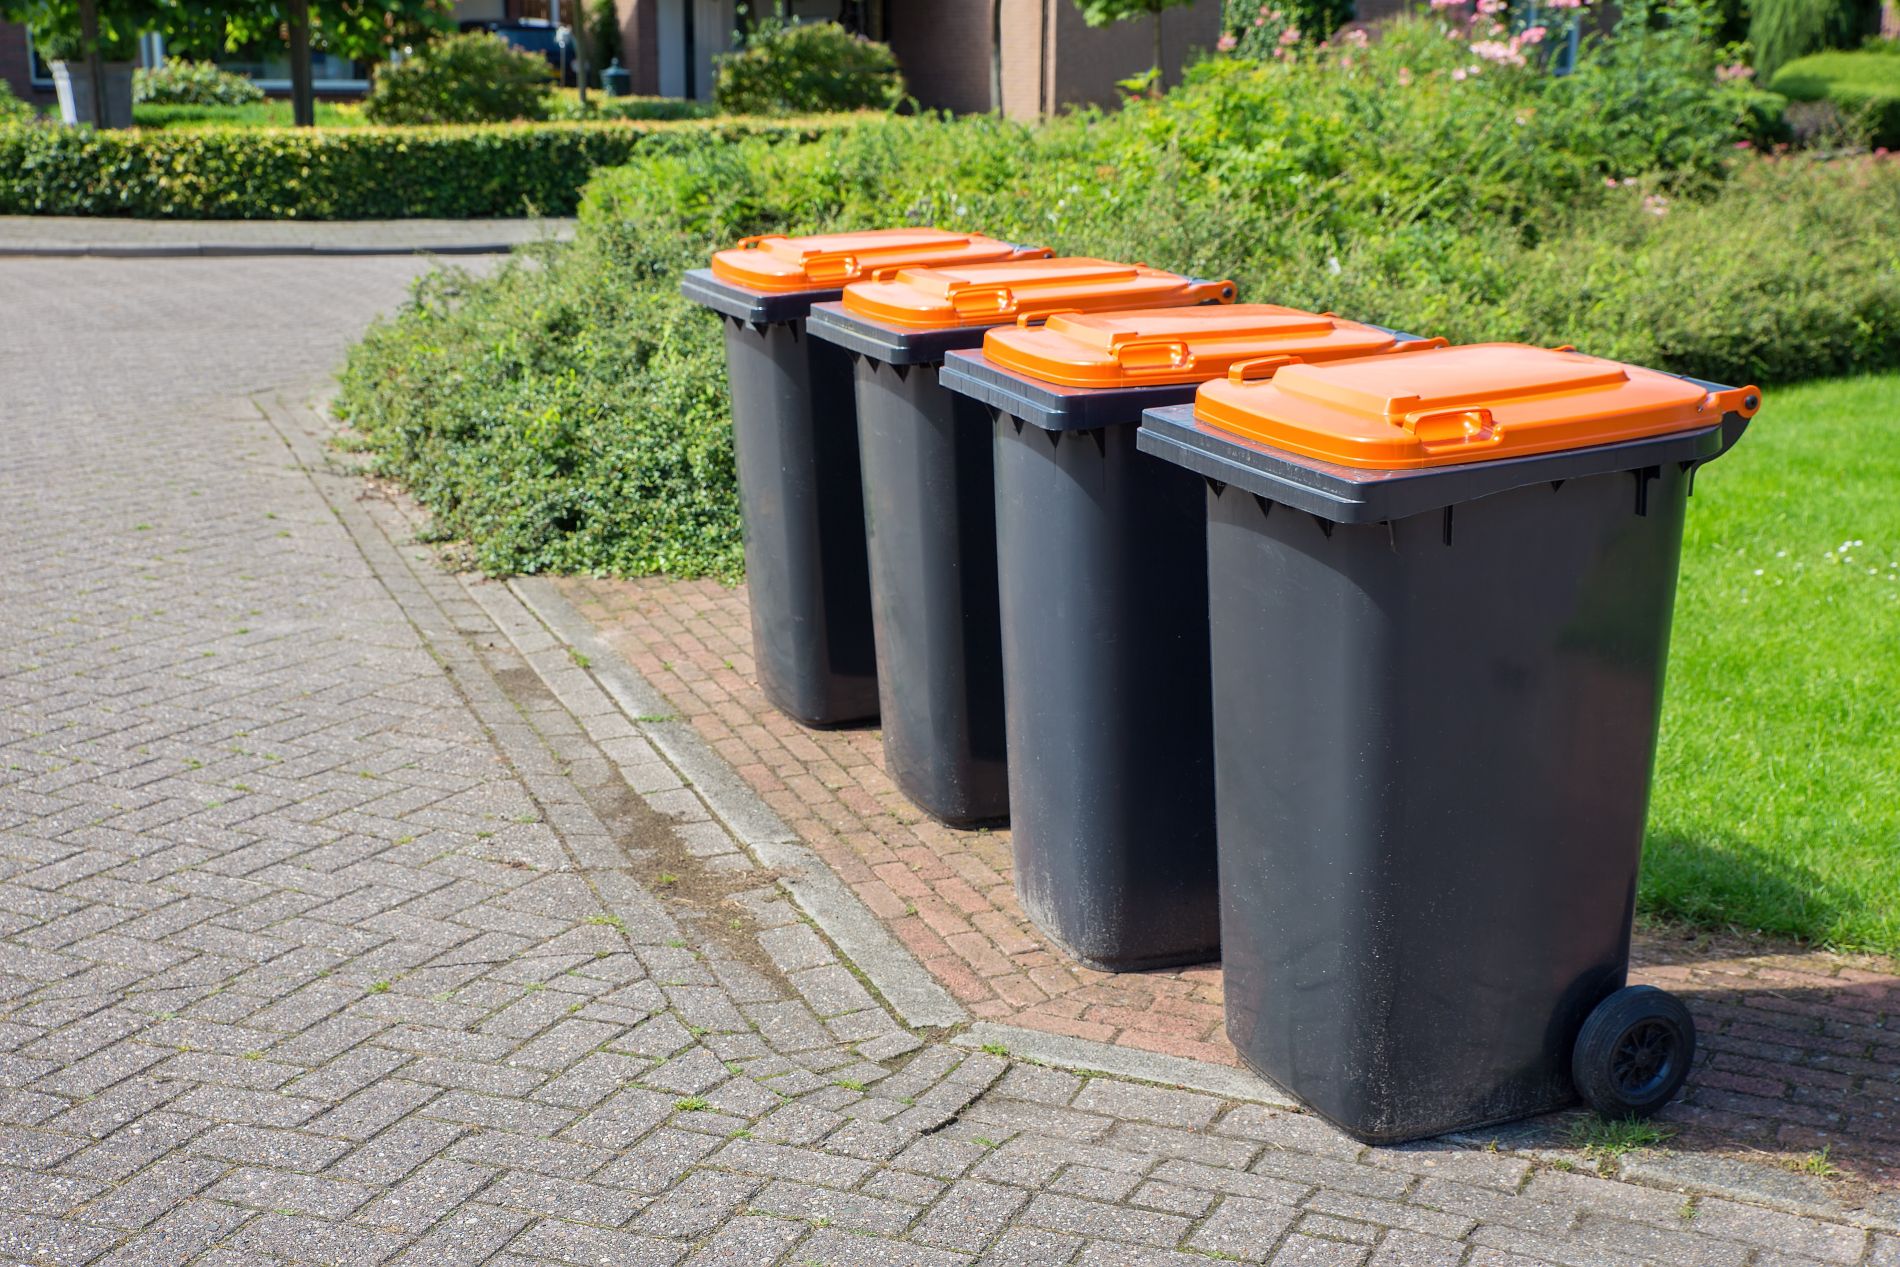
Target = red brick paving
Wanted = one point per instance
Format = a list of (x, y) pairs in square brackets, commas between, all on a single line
[(1801, 1050)]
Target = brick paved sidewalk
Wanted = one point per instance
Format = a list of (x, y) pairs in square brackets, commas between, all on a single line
[(348, 916), (1798, 1051)]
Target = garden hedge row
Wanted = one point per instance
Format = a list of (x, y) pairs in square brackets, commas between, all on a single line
[(339, 174), (1863, 85)]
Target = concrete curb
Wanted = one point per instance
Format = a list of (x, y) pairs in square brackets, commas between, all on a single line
[(1142, 1066), (911, 991), (222, 250)]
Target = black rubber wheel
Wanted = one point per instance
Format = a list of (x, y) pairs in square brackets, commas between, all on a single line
[(1634, 1052)]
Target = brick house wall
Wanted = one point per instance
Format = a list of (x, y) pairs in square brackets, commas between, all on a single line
[(16, 68)]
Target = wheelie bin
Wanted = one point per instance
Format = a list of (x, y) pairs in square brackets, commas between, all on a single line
[(1102, 567), (929, 503), (1440, 589), (796, 443)]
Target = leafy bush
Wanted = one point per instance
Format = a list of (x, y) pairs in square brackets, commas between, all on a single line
[(1782, 30), (567, 105), (186, 83), (1254, 28), (474, 78), (1864, 85), (807, 67), (12, 109), (334, 174)]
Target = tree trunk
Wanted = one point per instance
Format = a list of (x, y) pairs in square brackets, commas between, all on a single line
[(581, 34), (95, 62), (1890, 20), (303, 100), (996, 56), (1155, 90)]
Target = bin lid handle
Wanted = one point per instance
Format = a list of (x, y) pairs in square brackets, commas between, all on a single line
[(1420, 345), (829, 266), (1153, 356), (1028, 319), (755, 239), (1259, 368), (1439, 429), (1736, 400), (983, 301)]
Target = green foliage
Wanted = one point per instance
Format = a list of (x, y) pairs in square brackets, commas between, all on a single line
[(807, 67), (566, 104), (54, 25), (186, 83), (1782, 30), (1108, 12), (321, 174), (474, 78), (557, 417), (12, 109), (349, 28), (1864, 85), (1253, 28)]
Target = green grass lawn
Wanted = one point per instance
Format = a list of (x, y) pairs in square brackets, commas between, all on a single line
[(262, 114), (1777, 795)]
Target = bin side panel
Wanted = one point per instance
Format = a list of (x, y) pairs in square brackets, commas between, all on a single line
[(1102, 555), (930, 515), (795, 441), (1433, 765)]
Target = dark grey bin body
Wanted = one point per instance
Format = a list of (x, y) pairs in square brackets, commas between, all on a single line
[(1103, 581), (930, 519), (795, 440), (1435, 705)]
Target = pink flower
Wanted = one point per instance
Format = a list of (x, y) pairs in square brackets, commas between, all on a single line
[(1731, 74), (1744, 145), (1447, 4), (1226, 43), (1880, 151), (1259, 21), (1532, 35), (1609, 182), (1358, 38), (1405, 76), (1489, 7), (1459, 74), (1289, 36), (1656, 204), (1497, 51)]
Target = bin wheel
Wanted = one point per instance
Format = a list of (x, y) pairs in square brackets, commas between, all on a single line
[(1634, 1052)]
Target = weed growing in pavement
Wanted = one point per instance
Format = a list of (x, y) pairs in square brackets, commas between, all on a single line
[(1606, 1139)]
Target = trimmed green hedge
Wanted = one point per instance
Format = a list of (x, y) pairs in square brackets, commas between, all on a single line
[(1863, 84), (347, 174)]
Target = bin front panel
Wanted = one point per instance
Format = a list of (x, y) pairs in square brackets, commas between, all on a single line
[(1434, 740), (930, 517), (794, 430), (1102, 558)]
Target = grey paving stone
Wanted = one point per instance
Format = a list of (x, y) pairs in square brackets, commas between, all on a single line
[(1412, 1249), (747, 1241), (1243, 1227), (1094, 1218), (1308, 1251)]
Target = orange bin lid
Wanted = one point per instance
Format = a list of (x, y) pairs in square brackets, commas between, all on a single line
[(1157, 346), (826, 261), (1472, 403), (990, 294)]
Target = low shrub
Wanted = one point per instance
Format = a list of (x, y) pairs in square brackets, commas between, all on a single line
[(473, 78), (567, 105), (259, 114), (365, 173), (186, 83), (1864, 85), (807, 67)]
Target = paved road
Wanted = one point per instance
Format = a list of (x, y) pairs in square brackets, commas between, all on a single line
[(329, 933)]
